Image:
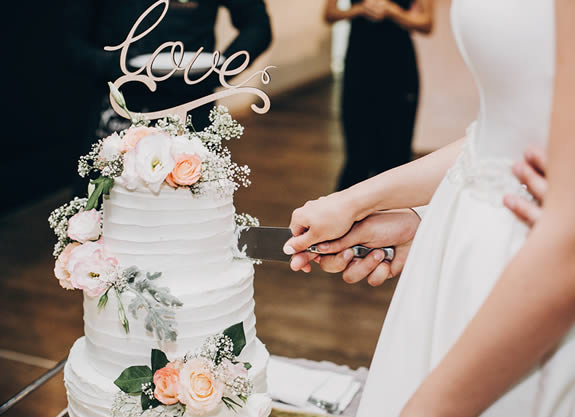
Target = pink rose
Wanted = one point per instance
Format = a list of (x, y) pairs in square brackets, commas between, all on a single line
[(200, 391), (60, 269), (90, 269), (85, 225), (167, 385), (187, 170), (133, 136), (235, 370)]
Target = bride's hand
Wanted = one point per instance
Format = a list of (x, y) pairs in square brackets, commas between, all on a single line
[(321, 220), (531, 172), (391, 228)]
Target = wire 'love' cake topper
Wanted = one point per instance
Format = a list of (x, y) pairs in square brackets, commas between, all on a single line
[(177, 55)]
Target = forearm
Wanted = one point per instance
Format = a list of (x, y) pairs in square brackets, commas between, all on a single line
[(527, 313), (420, 21), (334, 14), (409, 185)]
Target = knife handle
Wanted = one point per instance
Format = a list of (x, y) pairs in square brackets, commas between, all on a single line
[(360, 251)]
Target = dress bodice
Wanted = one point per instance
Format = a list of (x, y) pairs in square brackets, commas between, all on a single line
[(509, 46)]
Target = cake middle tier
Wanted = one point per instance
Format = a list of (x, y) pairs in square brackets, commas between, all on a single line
[(173, 232), (210, 305)]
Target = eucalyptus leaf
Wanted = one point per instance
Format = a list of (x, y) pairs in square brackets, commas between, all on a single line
[(236, 333), (131, 379), (159, 360), (153, 276)]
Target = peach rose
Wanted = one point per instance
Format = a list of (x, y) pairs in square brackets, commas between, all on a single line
[(133, 136), (200, 391), (187, 170), (167, 385), (60, 270)]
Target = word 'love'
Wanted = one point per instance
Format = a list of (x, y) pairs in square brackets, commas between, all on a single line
[(177, 55)]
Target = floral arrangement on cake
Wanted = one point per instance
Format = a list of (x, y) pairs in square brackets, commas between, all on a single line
[(197, 384), (169, 154)]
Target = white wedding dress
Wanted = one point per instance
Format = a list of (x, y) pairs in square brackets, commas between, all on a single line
[(467, 237)]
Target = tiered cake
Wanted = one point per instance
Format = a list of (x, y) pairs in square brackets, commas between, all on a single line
[(182, 226)]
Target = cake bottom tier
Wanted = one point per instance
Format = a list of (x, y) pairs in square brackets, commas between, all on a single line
[(91, 394)]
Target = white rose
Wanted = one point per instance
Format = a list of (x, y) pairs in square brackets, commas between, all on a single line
[(111, 147), (154, 160), (85, 226), (130, 178), (258, 405), (185, 145)]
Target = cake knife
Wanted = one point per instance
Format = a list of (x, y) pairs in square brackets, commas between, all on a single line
[(266, 244)]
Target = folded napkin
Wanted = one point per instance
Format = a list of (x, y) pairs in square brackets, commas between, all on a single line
[(310, 389)]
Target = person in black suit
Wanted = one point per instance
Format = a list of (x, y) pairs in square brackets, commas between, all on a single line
[(93, 24), (380, 83)]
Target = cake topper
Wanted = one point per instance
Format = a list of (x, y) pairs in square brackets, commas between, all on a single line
[(146, 76)]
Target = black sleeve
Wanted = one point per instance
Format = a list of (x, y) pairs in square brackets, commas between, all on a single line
[(83, 51), (251, 19)]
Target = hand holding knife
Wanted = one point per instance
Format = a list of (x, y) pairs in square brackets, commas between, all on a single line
[(266, 244)]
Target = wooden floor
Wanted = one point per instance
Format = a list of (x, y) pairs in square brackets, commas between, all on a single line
[(295, 154)]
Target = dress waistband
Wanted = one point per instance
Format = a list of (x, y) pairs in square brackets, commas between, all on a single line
[(488, 179)]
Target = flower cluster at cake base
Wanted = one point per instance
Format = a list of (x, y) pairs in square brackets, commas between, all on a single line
[(83, 263), (199, 383)]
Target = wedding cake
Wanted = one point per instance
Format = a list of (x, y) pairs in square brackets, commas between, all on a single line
[(168, 300)]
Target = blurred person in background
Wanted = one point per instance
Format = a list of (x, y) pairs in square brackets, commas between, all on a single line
[(94, 24), (380, 83)]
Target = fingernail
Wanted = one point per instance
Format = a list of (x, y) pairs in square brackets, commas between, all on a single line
[(378, 255), (288, 250), (348, 254), (323, 247)]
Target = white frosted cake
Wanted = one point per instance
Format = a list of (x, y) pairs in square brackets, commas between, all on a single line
[(161, 272)]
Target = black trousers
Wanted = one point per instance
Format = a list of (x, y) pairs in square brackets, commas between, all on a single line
[(379, 105)]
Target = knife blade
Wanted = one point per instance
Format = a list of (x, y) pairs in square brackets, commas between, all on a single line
[(266, 243)]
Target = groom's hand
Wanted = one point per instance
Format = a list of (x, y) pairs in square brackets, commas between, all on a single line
[(391, 228)]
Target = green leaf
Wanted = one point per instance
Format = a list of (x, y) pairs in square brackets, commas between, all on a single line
[(159, 360), (122, 314), (93, 199), (147, 403), (131, 379), (103, 187), (108, 183), (236, 333), (247, 365), (103, 301), (229, 400)]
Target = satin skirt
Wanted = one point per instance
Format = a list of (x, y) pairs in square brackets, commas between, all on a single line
[(463, 244)]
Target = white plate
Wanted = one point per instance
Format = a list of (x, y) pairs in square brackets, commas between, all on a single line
[(163, 63)]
